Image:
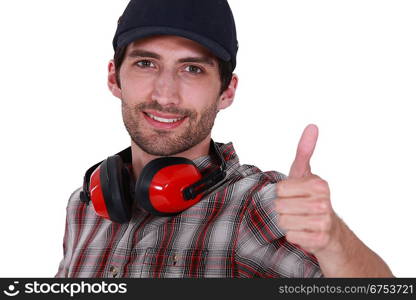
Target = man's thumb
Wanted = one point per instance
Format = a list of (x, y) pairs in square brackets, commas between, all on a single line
[(301, 165)]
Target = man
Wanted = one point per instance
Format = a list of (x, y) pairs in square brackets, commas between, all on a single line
[(172, 71)]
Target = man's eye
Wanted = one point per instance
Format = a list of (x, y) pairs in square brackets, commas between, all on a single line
[(145, 64), (193, 69)]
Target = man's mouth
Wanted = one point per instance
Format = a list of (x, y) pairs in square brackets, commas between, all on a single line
[(164, 122)]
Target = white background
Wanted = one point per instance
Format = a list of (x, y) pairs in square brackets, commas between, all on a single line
[(347, 66)]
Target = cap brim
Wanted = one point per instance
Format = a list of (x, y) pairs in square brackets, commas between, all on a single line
[(142, 32)]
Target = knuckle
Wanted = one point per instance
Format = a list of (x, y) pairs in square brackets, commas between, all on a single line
[(314, 179), (325, 223), (320, 185), (320, 205), (320, 225)]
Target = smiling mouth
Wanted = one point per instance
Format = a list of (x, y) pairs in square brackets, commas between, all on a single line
[(164, 123), (164, 120)]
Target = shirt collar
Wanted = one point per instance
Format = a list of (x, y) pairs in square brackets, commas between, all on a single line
[(208, 162), (204, 163)]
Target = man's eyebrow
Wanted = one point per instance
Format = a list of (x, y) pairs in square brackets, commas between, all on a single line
[(203, 59), (143, 53)]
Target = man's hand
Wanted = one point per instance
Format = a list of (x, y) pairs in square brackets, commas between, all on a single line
[(305, 212), (304, 201)]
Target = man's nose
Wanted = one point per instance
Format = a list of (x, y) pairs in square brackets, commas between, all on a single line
[(165, 90)]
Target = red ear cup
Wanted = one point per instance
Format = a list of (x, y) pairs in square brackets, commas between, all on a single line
[(110, 190), (159, 189), (96, 194), (166, 186)]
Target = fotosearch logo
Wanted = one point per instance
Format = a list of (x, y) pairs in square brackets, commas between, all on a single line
[(70, 289)]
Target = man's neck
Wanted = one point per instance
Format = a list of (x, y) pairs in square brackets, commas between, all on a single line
[(141, 158)]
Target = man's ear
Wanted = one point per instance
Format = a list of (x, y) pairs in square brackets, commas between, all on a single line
[(227, 97), (112, 80)]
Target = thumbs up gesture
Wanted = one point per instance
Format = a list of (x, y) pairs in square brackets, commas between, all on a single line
[(305, 212), (303, 202)]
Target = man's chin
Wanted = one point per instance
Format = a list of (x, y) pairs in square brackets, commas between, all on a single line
[(162, 147)]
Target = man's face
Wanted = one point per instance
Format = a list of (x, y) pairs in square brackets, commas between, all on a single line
[(170, 92)]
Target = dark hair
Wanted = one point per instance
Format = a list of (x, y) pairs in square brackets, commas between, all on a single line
[(225, 68)]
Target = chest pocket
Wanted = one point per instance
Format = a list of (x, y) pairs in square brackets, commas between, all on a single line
[(173, 263)]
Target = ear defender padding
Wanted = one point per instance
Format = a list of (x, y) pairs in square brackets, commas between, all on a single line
[(110, 190), (161, 186)]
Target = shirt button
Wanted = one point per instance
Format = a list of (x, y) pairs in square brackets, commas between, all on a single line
[(114, 271)]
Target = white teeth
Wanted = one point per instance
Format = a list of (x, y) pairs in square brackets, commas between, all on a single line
[(163, 120)]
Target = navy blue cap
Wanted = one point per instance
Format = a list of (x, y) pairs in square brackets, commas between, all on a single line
[(207, 22)]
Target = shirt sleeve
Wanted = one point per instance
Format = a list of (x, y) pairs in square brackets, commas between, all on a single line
[(262, 249), (67, 241)]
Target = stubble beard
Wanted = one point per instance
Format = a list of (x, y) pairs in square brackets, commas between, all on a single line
[(166, 142)]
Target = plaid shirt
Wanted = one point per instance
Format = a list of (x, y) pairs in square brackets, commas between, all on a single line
[(231, 232)]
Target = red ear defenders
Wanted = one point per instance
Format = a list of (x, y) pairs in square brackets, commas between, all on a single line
[(165, 187)]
